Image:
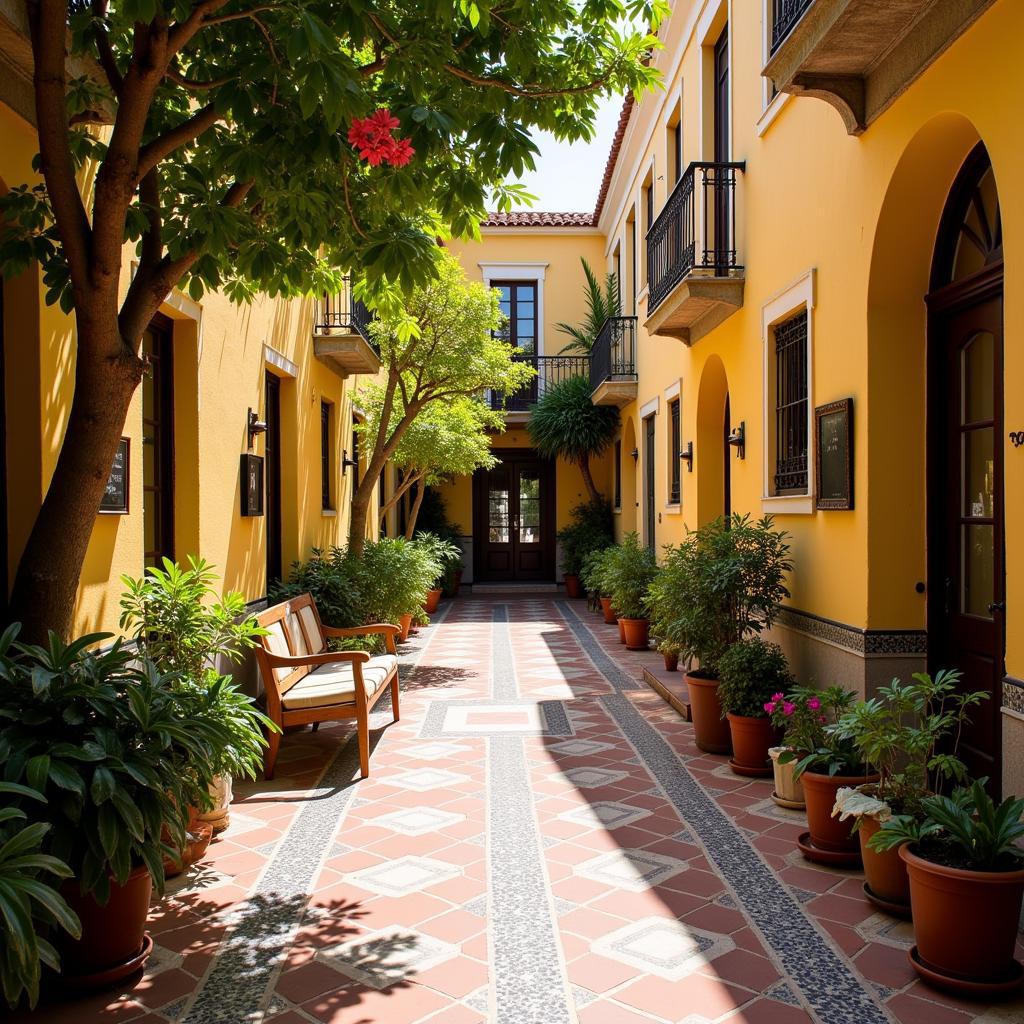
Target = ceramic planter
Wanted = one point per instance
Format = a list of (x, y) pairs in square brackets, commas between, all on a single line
[(404, 624), (886, 882), (606, 608), (710, 730), (671, 661), (965, 923), (219, 816), (636, 633), (114, 942), (433, 600), (829, 840), (789, 792), (572, 585), (752, 738)]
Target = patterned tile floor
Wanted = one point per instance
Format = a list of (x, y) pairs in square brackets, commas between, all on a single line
[(540, 842)]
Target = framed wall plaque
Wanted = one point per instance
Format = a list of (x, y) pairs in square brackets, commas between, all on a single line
[(115, 497), (252, 485), (833, 454)]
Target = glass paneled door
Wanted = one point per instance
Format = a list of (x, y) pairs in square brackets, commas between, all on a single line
[(514, 518)]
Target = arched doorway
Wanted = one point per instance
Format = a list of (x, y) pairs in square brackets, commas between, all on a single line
[(967, 590), (712, 465)]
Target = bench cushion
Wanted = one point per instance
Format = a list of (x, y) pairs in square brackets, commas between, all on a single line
[(335, 684)]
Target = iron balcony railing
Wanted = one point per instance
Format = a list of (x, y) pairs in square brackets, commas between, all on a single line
[(613, 356), (550, 370), (696, 230), (785, 14), (343, 311)]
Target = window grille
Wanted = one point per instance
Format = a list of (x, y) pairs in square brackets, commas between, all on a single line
[(791, 405), (325, 455), (674, 495)]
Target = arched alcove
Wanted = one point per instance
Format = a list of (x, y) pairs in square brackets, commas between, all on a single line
[(630, 496), (709, 450)]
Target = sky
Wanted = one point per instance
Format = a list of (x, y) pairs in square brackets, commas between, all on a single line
[(568, 176)]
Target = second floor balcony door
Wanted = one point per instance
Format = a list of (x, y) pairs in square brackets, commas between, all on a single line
[(720, 243), (518, 300)]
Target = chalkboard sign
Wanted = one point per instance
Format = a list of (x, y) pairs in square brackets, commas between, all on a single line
[(252, 485), (833, 454), (115, 498)]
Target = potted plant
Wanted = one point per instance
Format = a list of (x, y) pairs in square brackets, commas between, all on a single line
[(590, 530), (631, 571), (799, 717), (966, 883), (448, 555), (120, 757), (394, 576), (722, 584), (909, 733), (595, 569), (751, 673), (670, 652), (177, 621)]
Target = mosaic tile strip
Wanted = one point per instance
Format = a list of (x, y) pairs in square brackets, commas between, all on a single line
[(539, 718), (860, 641), (804, 954), (1013, 694), (236, 986)]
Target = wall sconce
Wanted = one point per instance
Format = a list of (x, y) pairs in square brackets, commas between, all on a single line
[(686, 455), (738, 440), (635, 453), (253, 426), (346, 461)]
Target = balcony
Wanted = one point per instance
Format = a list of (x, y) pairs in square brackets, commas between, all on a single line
[(550, 370), (341, 336), (694, 275), (613, 378), (859, 55)]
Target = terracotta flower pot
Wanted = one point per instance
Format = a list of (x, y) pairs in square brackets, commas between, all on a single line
[(219, 816), (404, 624), (433, 600), (606, 608), (622, 629), (751, 740), (789, 792), (710, 730), (113, 944), (885, 874), (671, 661), (828, 834), (637, 632), (965, 922), (572, 586)]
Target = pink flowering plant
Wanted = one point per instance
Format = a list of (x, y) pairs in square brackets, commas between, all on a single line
[(808, 719)]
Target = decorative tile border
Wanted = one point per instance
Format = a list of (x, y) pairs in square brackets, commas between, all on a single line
[(1013, 694), (664, 946), (387, 957), (802, 951), (447, 719), (852, 638)]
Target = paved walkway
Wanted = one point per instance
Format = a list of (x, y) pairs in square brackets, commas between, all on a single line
[(540, 842)]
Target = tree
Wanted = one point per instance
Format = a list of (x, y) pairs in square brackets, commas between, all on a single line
[(240, 150), (440, 346), (447, 439), (602, 302), (565, 422)]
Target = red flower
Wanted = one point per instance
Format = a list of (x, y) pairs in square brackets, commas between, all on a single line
[(372, 137), (382, 121), (401, 153)]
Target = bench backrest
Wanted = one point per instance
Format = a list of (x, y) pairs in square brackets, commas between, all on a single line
[(293, 629)]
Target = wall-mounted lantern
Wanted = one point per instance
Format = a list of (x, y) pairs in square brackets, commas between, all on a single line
[(738, 440), (686, 455), (254, 426), (635, 453), (346, 461)]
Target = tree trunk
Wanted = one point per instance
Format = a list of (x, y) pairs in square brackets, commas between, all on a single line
[(410, 528), (360, 512), (588, 480), (46, 583)]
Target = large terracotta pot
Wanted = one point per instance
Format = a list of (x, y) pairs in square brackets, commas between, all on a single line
[(572, 585), (637, 634), (751, 740), (671, 660), (606, 608), (710, 730), (829, 834), (404, 624), (965, 922), (219, 816), (622, 628), (113, 943), (885, 874), (789, 791), (433, 600)]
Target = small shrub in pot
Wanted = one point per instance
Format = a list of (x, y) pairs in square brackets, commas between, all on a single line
[(448, 555), (590, 530), (595, 579), (631, 570)]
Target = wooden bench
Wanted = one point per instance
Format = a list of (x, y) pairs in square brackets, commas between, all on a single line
[(307, 683)]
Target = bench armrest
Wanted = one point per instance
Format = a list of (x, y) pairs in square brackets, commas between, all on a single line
[(376, 628), (323, 658)]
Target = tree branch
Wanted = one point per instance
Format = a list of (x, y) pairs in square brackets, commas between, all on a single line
[(185, 82), (238, 15), (187, 131), (106, 52), (524, 93)]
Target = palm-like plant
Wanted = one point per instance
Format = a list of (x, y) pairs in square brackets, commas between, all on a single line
[(566, 423), (603, 301)]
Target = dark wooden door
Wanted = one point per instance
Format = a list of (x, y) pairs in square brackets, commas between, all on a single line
[(272, 454), (158, 442), (649, 513), (967, 614), (722, 207), (514, 518)]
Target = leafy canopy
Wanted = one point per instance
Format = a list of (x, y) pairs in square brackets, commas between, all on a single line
[(566, 423)]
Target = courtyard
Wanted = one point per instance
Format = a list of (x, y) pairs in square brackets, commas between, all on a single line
[(540, 841)]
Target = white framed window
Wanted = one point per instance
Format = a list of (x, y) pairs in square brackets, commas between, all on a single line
[(525, 272)]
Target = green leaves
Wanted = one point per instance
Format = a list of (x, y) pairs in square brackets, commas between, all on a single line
[(566, 423)]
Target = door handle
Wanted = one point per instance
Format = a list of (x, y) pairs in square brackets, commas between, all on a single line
[(996, 606), (947, 600)]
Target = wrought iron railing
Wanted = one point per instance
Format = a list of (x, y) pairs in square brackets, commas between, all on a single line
[(696, 230), (613, 356), (550, 370), (785, 14), (343, 312)]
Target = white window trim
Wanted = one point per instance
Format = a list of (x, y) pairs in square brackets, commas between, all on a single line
[(279, 361), (800, 294), (650, 408), (672, 394), (520, 270)]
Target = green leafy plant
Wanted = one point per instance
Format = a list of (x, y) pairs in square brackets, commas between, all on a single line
[(590, 530), (334, 578), (394, 577), (603, 301), (29, 902), (445, 552), (807, 717), (566, 424), (965, 830), (722, 584), (594, 573), (752, 671), (631, 570)]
